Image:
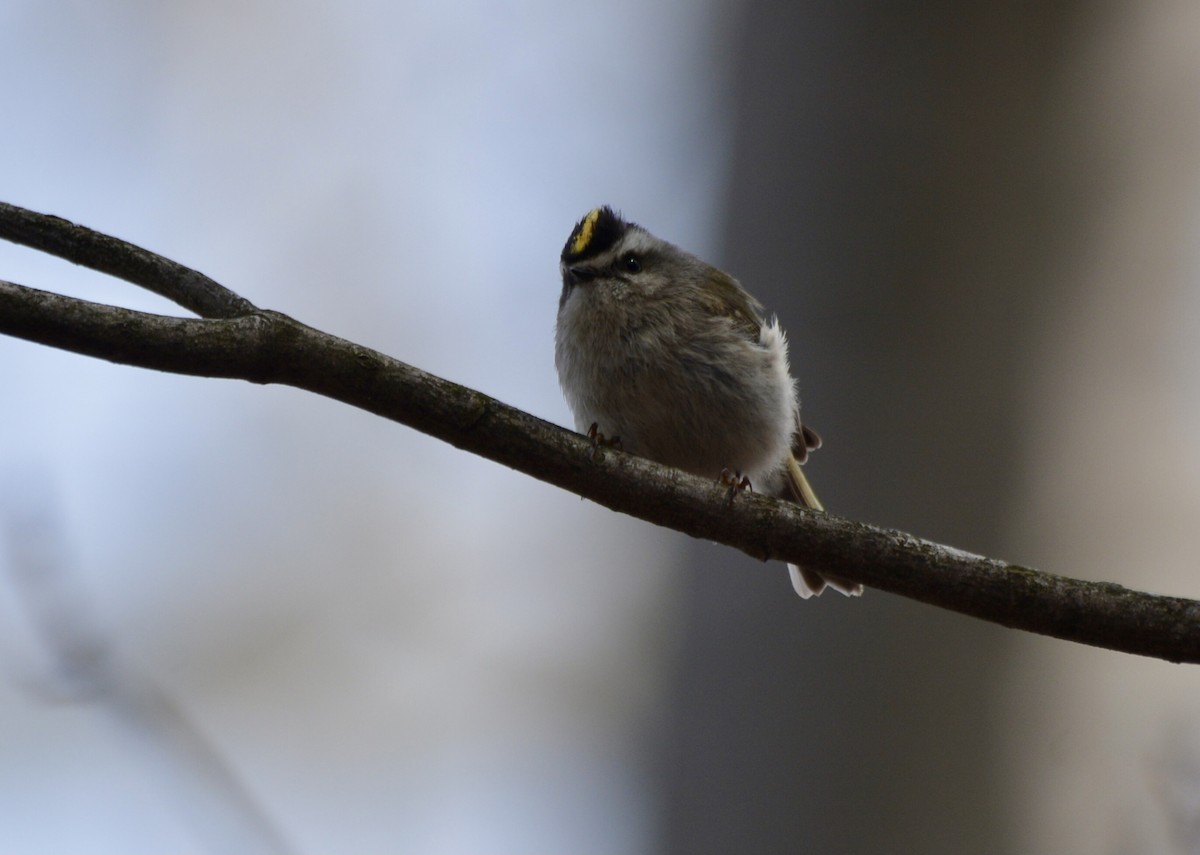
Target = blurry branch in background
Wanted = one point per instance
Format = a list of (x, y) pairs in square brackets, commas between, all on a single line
[(235, 339), (83, 667)]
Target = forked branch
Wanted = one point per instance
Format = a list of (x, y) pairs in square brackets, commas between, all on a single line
[(234, 339)]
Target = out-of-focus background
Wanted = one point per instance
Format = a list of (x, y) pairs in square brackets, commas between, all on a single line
[(239, 618)]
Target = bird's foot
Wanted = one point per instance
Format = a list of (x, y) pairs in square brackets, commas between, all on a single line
[(598, 439), (736, 482)]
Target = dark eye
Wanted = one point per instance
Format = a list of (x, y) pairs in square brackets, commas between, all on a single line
[(630, 263)]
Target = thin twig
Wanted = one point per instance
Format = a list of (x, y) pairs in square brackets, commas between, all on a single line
[(268, 347), (81, 245), (193, 774)]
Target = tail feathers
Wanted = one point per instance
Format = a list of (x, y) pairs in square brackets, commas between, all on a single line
[(806, 582), (809, 583), (801, 491)]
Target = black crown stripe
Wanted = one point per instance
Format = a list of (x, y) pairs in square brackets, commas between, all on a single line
[(595, 234)]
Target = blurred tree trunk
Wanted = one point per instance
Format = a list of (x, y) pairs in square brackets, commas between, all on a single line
[(1108, 747), (895, 197)]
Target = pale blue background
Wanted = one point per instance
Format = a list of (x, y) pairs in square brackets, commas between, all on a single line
[(397, 646)]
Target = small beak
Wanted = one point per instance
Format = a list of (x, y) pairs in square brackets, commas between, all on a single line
[(576, 275)]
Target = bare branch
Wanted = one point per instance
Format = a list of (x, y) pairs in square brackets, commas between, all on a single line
[(268, 347), (212, 348), (56, 236)]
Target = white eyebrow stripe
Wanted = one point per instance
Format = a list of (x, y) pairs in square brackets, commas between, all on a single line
[(635, 240)]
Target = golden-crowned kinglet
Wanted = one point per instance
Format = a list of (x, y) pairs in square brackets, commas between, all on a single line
[(672, 356)]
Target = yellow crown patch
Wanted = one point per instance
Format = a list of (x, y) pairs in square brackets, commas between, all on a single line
[(586, 229)]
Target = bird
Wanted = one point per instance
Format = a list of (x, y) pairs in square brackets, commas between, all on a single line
[(676, 359)]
